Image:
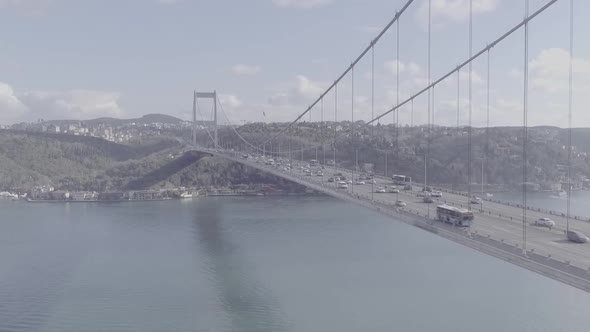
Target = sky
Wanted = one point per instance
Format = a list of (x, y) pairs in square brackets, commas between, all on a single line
[(270, 59)]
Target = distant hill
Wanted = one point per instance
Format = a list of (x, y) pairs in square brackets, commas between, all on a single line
[(68, 161), (148, 118)]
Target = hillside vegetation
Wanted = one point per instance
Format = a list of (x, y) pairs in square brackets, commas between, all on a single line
[(71, 162)]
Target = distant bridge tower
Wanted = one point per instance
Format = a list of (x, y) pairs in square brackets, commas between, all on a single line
[(205, 95)]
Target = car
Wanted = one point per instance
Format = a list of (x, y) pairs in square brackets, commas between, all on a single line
[(373, 181), (428, 199), (360, 182), (349, 181), (394, 190), (475, 200), (320, 174), (381, 190), (331, 180), (408, 187), (342, 185), (423, 194), (400, 203), (576, 236), (545, 222), (436, 194)]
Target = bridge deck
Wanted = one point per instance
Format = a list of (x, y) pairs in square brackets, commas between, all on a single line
[(497, 229)]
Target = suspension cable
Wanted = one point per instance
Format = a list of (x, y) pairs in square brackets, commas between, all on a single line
[(202, 117), (570, 107), (525, 127), (487, 125), (470, 105), (453, 71), (458, 94), (335, 122), (466, 62), (347, 70), (396, 114), (237, 133), (427, 158), (352, 127)]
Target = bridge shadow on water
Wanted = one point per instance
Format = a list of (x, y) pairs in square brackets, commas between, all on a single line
[(247, 304)]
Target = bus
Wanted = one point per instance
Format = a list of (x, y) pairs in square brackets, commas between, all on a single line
[(401, 180), (313, 163), (454, 215)]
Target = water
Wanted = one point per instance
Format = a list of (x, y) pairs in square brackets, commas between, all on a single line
[(548, 201), (258, 264)]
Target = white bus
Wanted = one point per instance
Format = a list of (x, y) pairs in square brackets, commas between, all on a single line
[(454, 215), (401, 180)]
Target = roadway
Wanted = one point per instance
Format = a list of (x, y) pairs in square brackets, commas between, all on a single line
[(497, 229), (494, 220)]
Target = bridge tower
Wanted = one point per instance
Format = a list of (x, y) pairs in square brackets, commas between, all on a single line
[(205, 95)]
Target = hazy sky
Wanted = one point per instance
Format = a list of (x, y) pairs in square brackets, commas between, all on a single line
[(82, 59)]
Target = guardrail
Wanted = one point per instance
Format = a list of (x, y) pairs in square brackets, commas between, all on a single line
[(534, 259)]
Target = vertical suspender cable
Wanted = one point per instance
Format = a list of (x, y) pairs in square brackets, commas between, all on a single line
[(372, 88), (525, 125), (412, 114), (372, 100), (458, 94), (570, 106), (352, 125), (470, 104), (335, 122), (487, 124), (396, 114), (322, 132), (427, 158)]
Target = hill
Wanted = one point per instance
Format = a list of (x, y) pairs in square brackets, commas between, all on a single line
[(146, 119), (70, 162), (28, 159)]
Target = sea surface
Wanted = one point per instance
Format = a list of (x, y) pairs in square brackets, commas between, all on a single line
[(258, 264)]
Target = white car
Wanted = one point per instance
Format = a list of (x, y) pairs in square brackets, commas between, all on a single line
[(394, 190), (475, 200), (360, 182), (381, 190), (400, 203), (545, 222), (436, 194)]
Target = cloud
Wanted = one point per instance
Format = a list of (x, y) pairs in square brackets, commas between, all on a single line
[(168, 2), (411, 68), (70, 104), (550, 71), (230, 101), (454, 10), (241, 69), (305, 4), (11, 108), (297, 93), (73, 104)]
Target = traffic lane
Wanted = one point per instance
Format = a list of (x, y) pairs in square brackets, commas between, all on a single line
[(543, 241)]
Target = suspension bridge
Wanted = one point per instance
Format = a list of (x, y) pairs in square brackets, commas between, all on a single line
[(504, 230)]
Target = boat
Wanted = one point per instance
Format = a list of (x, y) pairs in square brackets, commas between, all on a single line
[(560, 193), (488, 195), (186, 195)]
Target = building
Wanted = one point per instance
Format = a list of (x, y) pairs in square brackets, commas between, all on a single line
[(145, 195)]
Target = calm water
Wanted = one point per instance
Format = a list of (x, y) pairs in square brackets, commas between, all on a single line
[(257, 264)]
